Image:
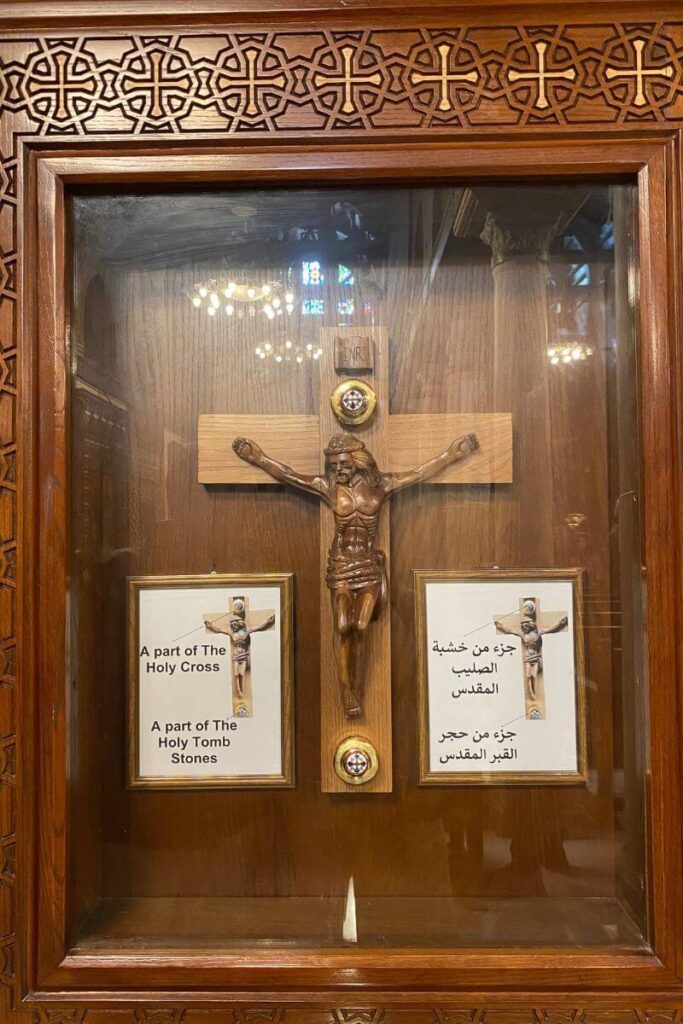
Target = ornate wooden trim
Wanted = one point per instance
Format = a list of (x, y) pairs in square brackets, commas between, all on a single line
[(320, 80), (462, 80), (376, 1015)]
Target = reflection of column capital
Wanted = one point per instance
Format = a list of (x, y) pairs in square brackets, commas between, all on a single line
[(512, 238)]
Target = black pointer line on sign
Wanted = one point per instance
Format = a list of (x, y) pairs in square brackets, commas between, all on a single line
[(492, 622), (187, 634)]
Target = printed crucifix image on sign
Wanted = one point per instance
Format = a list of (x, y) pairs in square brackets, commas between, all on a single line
[(500, 659), (210, 692)]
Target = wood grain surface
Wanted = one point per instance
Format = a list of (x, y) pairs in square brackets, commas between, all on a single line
[(375, 724), (461, 367), (294, 440), (412, 439)]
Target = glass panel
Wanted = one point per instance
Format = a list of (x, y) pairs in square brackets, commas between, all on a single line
[(510, 299)]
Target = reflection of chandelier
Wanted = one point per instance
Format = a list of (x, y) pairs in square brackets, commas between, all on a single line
[(240, 299), (288, 352), (569, 354)]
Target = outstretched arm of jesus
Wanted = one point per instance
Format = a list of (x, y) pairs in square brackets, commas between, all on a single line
[(212, 627), (251, 452), (460, 449), (557, 627), (266, 624), (505, 629)]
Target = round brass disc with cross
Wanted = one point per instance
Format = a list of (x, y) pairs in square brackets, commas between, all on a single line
[(356, 761), (353, 401)]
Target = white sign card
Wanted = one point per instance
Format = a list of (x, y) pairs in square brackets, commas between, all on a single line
[(501, 676), (210, 681)]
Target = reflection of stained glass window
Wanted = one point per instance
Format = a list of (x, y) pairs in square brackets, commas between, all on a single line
[(580, 274), (367, 308), (345, 307), (311, 272), (345, 275), (313, 307), (607, 236)]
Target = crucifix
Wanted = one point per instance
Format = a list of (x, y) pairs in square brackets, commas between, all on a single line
[(530, 624), (238, 624), (398, 443)]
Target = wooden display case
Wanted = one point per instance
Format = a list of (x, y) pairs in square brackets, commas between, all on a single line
[(488, 191)]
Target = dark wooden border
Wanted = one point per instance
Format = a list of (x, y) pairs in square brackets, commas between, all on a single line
[(95, 44), (389, 978)]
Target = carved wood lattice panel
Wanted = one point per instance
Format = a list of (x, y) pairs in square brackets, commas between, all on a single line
[(325, 81)]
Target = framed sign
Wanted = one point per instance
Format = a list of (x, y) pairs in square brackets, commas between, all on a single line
[(502, 689), (210, 681)]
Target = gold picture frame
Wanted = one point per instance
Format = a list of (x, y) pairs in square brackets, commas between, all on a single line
[(216, 624), (525, 577)]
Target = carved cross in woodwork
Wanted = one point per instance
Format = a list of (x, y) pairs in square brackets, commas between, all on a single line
[(61, 87), (155, 85), (348, 79), (640, 72), (530, 624), (542, 75), (238, 624), (444, 77), (250, 82), (399, 443)]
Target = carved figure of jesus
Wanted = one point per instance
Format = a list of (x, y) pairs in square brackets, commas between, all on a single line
[(355, 489), (532, 643), (235, 628)]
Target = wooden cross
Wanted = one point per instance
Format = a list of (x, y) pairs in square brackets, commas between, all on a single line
[(542, 75), (640, 72), (399, 442), (348, 79), (251, 82), (157, 85), (443, 77), (61, 87), (530, 624), (238, 624)]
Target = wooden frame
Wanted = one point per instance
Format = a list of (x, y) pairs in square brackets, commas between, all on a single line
[(481, 778), (284, 583), (50, 968), (50, 139)]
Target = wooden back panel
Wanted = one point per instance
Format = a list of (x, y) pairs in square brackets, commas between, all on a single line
[(172, 365)]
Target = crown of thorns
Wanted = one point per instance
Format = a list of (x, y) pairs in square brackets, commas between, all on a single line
[(343, 443)]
